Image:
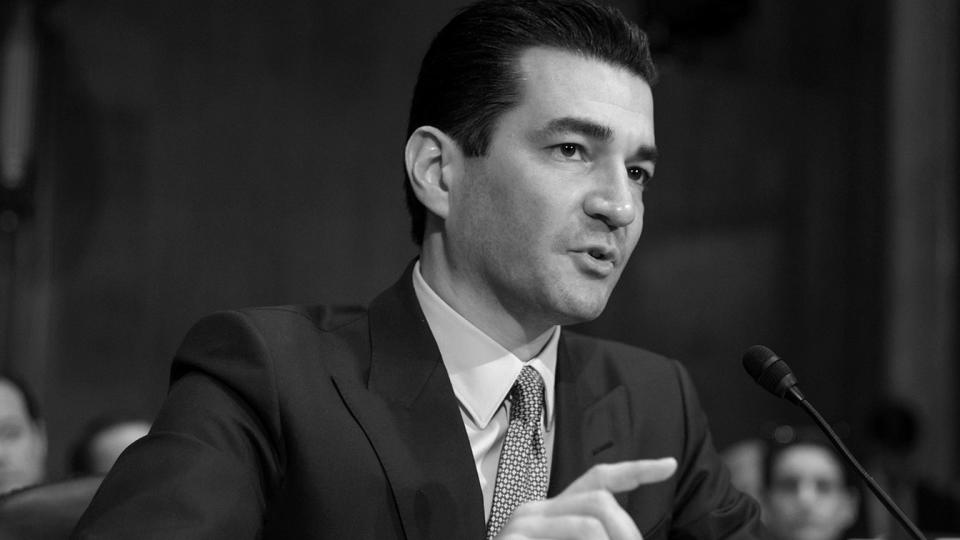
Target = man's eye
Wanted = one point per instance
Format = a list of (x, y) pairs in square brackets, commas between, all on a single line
[(568, 151), (826, 486), (639, 174), (786, 485)]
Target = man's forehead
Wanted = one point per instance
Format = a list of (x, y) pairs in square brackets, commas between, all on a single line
[(568, 76), (562, 91), (809, 456), (12, 400)]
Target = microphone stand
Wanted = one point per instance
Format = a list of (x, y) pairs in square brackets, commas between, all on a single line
[(871, 483)]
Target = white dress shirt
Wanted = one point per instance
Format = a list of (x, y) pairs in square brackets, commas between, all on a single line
[(482, 372)]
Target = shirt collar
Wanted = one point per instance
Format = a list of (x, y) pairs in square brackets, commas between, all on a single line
[(481, 370)]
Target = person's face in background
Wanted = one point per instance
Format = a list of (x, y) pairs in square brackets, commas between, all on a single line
[(23, 444), (807, 498)]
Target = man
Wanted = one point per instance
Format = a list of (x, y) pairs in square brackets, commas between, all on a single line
[(809, 493), (23, 439), (455, 407)]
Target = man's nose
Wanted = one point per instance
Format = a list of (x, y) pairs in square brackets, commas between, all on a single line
[(807, 493), (613, 200)]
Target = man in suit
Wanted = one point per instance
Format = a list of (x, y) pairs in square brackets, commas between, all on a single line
[(455, 406)]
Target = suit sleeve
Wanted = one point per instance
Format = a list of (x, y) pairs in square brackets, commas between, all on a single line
[(214, 452), (706, 504)]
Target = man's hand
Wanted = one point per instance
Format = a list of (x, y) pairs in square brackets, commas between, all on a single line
[(587, 509)]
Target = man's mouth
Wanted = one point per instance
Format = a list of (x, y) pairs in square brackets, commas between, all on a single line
[(598, 260), (603, 253), (600, 254)]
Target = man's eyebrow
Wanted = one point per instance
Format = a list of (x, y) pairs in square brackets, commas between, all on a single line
[(593, 130), (583, 127), (647, 153)]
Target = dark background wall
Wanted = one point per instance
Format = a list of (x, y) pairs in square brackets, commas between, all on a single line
[(200, 155)]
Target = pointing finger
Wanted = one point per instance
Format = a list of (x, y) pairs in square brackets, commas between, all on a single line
[(624, 476)]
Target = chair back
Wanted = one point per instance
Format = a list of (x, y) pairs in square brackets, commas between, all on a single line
[(46, 511)]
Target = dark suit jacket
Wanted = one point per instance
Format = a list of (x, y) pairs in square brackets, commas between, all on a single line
[(321, 422)]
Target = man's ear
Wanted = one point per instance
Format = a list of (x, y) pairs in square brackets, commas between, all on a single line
[(434, 163)]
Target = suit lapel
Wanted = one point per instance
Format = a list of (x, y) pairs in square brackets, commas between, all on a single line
[(593, 419), (595, 424), (410, 414)]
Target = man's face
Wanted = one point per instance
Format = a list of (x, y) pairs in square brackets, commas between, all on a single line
[(544, 223), (22, 443), (807, 498)]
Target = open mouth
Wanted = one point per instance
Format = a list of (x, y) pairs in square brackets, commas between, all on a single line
[(598, 261), (600, 254)]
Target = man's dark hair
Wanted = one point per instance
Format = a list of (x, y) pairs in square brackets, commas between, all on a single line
[(29, 400), (469, 75)]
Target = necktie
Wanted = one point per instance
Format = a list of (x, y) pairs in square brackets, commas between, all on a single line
[(522, 471)]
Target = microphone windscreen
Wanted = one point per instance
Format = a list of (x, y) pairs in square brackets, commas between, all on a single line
[(772, 373), (756, 359)]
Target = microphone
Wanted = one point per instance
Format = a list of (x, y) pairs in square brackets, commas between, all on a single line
[(773, 374)]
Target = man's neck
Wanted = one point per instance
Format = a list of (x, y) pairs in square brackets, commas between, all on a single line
[(523, 339)]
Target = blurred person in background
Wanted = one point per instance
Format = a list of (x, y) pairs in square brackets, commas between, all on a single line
[(102, 441), (23, 438), (808, 492)]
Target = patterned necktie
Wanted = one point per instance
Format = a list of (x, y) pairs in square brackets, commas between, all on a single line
[(522, 471)]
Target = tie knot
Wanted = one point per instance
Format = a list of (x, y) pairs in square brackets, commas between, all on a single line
[(527, 393)]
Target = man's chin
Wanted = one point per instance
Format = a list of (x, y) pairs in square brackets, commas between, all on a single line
[(808, 532), (583, 310)]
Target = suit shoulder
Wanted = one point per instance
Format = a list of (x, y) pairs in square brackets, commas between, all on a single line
[(596, 349), (288, 341), (296, 331), (612, 363), (323, 318)]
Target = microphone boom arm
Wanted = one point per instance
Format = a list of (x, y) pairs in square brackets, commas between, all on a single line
[(775, 376), (871, 483)]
